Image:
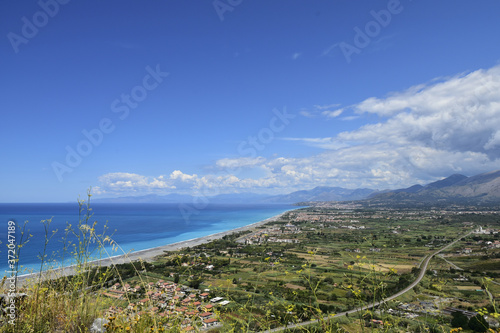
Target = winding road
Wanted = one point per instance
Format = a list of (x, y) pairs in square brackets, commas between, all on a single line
[(423, 269)]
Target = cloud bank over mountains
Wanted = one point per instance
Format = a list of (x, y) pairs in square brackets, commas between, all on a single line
[(429, 131)]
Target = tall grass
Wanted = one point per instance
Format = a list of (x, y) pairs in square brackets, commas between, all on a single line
[(57, 302), (70, 299), (65, 299)]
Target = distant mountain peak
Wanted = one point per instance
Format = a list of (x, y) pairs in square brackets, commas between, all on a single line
[(448, 181), (479, 189), (324, 193)]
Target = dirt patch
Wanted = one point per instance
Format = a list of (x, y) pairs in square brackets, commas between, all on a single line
[(468, 287), (294, 286), (399, 268)]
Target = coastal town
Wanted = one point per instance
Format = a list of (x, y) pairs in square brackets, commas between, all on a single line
[(167, 299), (334, 259), (340, 267)]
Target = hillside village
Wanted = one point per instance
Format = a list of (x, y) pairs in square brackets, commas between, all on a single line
[(167, 299)]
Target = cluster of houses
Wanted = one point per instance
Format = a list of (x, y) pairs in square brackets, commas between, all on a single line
[(331, 218), (315, 217), (485, 245), (467, 250), (488, 231), (352, 227), (420, 307), (493, 245), (282, 240), (272, 235), (168, 299), (408, 315)]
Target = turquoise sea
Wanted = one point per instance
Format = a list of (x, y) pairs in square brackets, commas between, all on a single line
[(132, 226)]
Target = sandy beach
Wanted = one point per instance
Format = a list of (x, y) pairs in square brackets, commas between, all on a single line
[(147, 254)]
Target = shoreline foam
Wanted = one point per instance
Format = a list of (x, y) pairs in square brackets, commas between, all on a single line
[(146, 254)]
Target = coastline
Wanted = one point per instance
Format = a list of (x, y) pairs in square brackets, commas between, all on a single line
[(146, 254)]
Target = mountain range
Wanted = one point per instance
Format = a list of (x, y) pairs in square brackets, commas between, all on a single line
[(479, 189), (320, 193)]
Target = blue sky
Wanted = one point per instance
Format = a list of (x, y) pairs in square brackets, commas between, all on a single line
[(224, 96)]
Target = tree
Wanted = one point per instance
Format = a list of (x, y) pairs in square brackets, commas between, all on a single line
[(478, 324), (195, 282), (459, 320), (328, 280)]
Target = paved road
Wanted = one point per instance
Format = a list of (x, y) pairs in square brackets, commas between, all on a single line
[(423, 269), (449, 262)]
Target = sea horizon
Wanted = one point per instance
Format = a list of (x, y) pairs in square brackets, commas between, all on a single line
[(134, 227)]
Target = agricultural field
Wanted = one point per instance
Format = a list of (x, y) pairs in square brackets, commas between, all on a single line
[(317, 267), (315, 262)]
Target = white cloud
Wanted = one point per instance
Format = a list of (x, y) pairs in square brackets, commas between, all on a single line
[(122, 182), (332, 114), (349, 118), (459, 93), (325, 143), (179, 175), (233, 163), (493, 142), (329, 49), (324, 110), (427, 132), (296, 55), (325, 107), (307, 114), (461, 114)]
